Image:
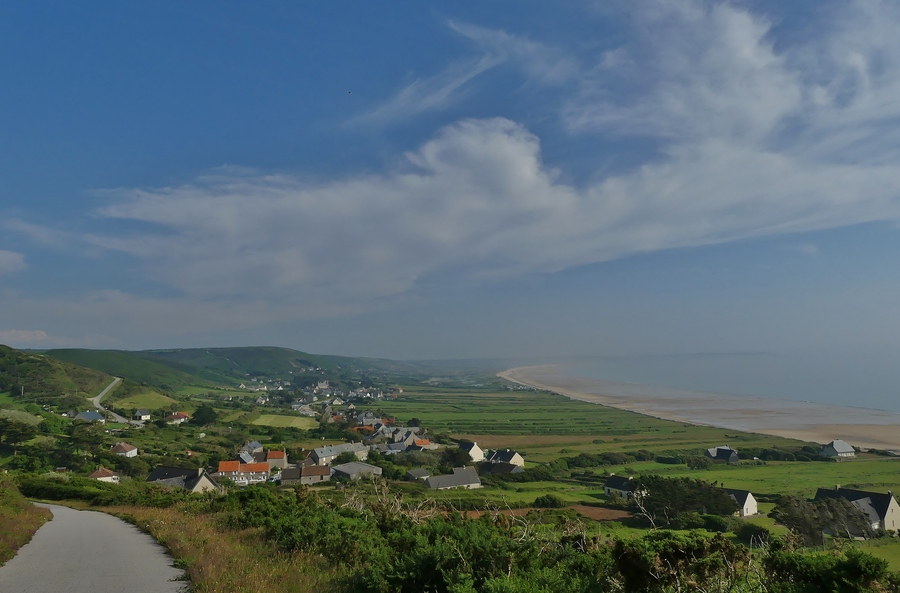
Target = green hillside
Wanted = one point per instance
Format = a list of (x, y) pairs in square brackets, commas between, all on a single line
[(45, 379), (129, 365), (172, 369)]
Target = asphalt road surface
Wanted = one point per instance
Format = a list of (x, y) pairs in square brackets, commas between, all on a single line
[(90, 552), (96, 401)]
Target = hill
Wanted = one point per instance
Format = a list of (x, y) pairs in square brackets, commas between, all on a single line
[(45, 379), (130, 365), (173, 369)]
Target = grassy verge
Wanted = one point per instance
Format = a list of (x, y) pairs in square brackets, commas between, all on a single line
[(19, 519), (221, 559)]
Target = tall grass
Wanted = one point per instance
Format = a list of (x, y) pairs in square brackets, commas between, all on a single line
[(223, 559), (19, 520)]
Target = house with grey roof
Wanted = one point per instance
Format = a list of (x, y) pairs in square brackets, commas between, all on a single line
[(838, 449), (252, 447), (747, 506), (417, 474), (194, 480), (723, 453), (355, 470), (881, 509), (141, 415), (325, 455), (462, 477)]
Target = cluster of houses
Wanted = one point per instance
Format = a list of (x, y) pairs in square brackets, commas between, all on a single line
[(494, 461), (881, 508), (836, 449)]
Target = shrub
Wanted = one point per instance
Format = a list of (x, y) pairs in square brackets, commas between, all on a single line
[(549, 501), (750, 533)]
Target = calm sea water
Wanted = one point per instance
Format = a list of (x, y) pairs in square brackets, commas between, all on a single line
[(851, 379)]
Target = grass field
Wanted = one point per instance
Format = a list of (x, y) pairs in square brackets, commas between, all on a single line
[(788, 477), (150, 400), (545, 426), (286, 421)]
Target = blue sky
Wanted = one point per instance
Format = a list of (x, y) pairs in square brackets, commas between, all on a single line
[(451, 180)]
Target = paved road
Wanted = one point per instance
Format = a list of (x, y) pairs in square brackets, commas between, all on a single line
[(96, 401), (90, 552)]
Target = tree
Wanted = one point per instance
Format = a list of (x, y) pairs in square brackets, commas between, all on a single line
[(414, 422), (660, 500), (203, 415), (16, 433), (455, 457), (346, 457), (810, 520)]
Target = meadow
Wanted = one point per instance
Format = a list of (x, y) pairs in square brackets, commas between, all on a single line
[(286, 421), (545, 426)]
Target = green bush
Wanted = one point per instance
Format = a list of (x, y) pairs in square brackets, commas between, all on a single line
[(549, 501)]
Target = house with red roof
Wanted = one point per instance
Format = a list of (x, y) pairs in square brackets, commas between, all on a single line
[(243, 474), (124, 449), (105, 475), (177, 418)]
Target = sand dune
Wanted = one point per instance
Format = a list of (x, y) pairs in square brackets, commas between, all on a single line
[(793, 419)]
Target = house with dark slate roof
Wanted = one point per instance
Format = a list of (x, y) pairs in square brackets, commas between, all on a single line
[(724, 453), (838, 449), (882, 509), (91, 416), (504, 456), (747, 505), (619, 486), (500, 468), (462, 477), (141, 415), (474, 451), (194, 480), (418, 474)]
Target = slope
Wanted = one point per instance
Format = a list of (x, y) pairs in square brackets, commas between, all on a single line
[(44, 379)]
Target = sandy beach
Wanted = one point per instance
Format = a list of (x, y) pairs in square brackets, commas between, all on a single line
[(806, 421)]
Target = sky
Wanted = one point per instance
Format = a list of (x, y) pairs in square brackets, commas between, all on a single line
[(452, 180)]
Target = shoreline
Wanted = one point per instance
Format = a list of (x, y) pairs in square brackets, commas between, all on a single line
[(805, 421)]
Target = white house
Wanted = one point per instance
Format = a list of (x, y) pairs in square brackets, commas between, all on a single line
[(474, 451), (105, 475), (124, 449), (747, 506)]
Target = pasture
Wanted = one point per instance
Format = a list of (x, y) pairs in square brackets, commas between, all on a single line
[(286, 421), (545, 426), (879, 474), (149, 399)]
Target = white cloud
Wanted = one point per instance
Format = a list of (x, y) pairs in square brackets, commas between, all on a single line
[(433, 92), (540, 62), (23, 337), (10, 261), (754, 141)]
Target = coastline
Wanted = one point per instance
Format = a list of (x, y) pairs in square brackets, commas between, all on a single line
[(804, 421)]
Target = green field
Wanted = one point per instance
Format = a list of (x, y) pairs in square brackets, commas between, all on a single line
[(788, 477), (286, 421), (148, 399), (543, 426)]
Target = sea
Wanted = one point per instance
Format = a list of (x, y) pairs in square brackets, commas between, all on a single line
[(853, 380)]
